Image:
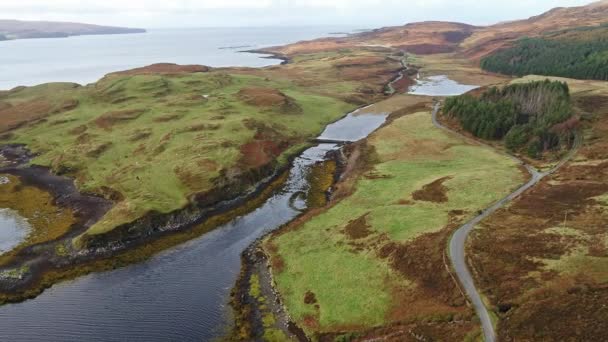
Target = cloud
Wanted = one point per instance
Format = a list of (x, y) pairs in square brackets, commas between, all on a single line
[(367, 13)]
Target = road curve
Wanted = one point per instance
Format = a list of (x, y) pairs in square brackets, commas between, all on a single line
[(457, 243)]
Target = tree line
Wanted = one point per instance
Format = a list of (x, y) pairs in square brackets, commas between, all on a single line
[(535, 117), (581, 56)]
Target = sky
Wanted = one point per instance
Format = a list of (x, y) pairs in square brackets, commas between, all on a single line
[(242, 13)]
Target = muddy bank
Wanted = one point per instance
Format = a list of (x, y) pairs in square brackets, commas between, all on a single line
[(259, 312)]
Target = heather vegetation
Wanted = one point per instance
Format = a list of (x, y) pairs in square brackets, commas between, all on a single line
[(578, 53), (535, 117), (359, 256)]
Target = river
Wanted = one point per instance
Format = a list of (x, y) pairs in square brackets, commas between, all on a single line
[(181, 294)]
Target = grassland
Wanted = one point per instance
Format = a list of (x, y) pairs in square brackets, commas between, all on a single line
[(361, 258), (154, 139), (542, 262)]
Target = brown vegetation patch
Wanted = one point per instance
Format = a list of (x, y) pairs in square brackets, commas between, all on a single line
[(276, 261), (200, 127), (427, 49), (98, 150), (259, 153), (268, 97), (310, 298), (168, 117), (403, 84), (575, 314), (192, 179), (107, 120), (592, 103), (269, 143), (78, 130), (358, 61), (140, 134), (423, 261), (66, 106), (446, 330), (16, 115), (434, 192), (358, 228), (165, 69)]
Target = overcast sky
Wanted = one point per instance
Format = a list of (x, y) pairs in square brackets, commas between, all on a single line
[(201, 13)]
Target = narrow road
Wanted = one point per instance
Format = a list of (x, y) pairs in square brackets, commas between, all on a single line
[(457, 243)]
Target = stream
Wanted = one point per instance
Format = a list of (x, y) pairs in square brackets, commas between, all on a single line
[(181, 294)]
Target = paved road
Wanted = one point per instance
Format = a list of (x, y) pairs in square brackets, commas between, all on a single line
[(457, 243)]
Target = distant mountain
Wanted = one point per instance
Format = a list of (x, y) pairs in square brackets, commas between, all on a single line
[(489, 39), (474, 42), (17, 29)]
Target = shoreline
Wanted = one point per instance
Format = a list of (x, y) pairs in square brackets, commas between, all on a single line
[(44, 273), (46, 269)]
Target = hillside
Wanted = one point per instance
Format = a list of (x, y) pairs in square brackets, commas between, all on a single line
[(419, 38), (473, 42), (17, 29), (492, 38), (578, 53)]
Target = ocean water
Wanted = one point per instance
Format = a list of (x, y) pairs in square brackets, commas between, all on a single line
[(85, 59), (181, 294)]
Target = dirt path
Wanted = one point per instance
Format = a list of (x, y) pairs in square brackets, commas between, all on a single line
[(457, 243)]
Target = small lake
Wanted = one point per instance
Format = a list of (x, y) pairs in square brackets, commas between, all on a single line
[(181, 294), (439, 85)]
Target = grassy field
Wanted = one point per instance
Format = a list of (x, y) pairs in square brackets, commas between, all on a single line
[(158, 150), (152, 140), (422, 180)]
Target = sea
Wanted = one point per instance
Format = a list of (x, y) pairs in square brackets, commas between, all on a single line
[(85, 59)]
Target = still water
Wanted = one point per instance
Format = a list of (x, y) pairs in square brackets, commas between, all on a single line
[(86, 59), (439, 85)]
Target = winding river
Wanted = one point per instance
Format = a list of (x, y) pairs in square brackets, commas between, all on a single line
[(181, 294)]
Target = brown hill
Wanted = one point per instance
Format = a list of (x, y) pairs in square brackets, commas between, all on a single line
[(491, 38), (439, 37), (420, 38)]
